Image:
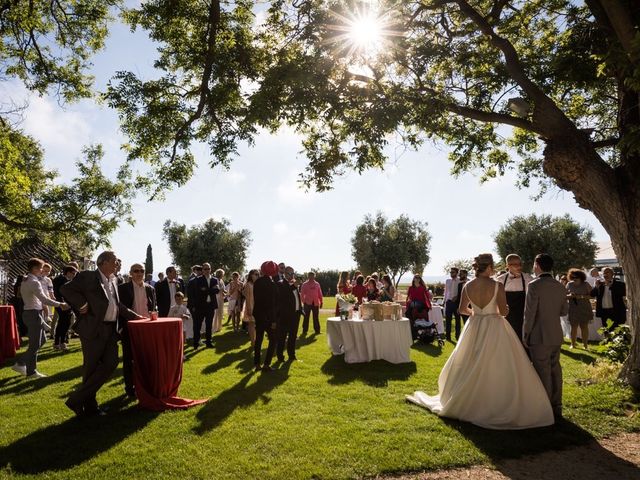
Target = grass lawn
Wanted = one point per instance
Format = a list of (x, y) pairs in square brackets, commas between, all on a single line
[(317, 418)]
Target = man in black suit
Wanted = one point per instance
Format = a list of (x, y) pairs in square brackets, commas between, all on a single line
[(140, 297), (265, 298), (94, 297), (289, 311), (610, 295), (203, 289), (166, 290), (64, 316), (462, 275)]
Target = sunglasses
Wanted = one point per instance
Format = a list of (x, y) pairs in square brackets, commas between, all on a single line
[(138, 270), (207, 269)]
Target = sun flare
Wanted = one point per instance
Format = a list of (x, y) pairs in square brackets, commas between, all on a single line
[(365, 33)]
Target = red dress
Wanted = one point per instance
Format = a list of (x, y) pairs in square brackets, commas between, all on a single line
[(359, 291), (418, 294), (343, 290)]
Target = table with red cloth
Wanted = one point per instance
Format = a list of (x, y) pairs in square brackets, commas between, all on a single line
[(9, 334), (156, 347)]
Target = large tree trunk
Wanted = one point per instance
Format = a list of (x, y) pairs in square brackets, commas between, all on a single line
[(613, 195)]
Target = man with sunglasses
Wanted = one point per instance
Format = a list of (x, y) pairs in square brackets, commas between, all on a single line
[(204, 303), (141, 298)]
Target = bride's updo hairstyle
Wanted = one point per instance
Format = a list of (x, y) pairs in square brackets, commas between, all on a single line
[(482, 262)]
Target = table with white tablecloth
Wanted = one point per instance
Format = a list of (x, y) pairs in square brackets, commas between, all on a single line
[(594, 325), (435, 315), (367, 340)]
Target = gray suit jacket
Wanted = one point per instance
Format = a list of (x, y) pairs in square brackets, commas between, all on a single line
[(546, 302), (86, 288)]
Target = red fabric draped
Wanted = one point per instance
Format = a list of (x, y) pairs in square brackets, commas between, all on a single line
[(157, 363), (9, 335)]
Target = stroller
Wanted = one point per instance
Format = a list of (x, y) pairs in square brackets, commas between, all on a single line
[(422, 329)]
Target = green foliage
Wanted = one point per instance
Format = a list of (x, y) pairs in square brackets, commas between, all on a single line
[(148, 262), (460, 264), (79, 215), (617, 341), (394, 247), (212, 242), (569, 243), (47, 44), (328, 280)]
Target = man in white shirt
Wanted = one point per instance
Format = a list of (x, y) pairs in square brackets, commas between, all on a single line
[(515, 286), (451, 302), (594, 277), (35, 300)]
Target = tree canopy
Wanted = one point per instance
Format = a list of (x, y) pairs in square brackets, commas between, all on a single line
[(214, 242), (569, 243), (394, 247)]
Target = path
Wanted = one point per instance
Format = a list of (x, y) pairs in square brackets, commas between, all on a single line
[(617, 457)]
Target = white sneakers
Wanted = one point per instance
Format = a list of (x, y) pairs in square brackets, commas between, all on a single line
[(37, 374), (21, 369)]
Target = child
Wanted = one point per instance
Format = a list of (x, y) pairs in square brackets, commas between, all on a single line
[(181, 311)]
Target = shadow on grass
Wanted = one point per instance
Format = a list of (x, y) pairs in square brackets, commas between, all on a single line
[(376, 373), (241, 395), (502, 446), (431, 349), (68, 444), (579, 356), (229, 340), (24, 385)]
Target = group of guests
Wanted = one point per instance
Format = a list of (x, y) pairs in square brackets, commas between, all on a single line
[(608, 291)]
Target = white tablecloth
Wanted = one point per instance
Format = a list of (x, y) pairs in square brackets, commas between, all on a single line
[(594, 325), (435, 315), (366, 340)]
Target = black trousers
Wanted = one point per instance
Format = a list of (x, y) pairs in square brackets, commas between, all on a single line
[(287, 334), (316, 321), (451, 312), (127, 362), (616, 317), (62, 327), (261, 329), (205, 315)]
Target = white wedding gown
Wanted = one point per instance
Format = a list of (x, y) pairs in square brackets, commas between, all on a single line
[(488, 380)]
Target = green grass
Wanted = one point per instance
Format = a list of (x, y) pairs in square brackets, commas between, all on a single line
[(318, 418)]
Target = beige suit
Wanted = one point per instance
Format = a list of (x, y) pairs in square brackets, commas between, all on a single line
[(546, 302)]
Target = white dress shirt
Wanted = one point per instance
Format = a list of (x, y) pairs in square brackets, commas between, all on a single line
[(33, 294), (607, 301), (140, 304), (514, 284), (109, 286), (172, 291), (451, 289)]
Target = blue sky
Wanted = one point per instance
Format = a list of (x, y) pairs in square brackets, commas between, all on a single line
[(260, 191)]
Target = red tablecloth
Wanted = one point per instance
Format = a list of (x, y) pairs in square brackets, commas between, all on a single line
[(9, 335), (157, 363)]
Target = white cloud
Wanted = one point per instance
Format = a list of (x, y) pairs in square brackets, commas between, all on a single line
[(235, 177), (290, 191)]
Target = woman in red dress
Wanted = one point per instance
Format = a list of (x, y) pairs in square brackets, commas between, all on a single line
[(344, 287), (418, 295), (359, 290)]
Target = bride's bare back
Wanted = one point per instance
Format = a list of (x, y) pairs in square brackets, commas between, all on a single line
[(480, 291)]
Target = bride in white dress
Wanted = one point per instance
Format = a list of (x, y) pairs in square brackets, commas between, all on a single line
[(488, 380)]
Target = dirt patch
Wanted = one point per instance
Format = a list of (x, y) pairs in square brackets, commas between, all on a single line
[(617, 457)]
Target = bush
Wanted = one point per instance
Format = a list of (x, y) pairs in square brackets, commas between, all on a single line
[(328, 280), (436, 288), (617, 341)]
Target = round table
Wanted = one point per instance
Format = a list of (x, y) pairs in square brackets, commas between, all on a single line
[(156, 348), (9, 335), (366, 340)]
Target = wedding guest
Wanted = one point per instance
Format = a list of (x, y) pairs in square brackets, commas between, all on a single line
[(610, 294), (18, 304), (180, 310), (594, 276), (359, 290), (64, 316), (372, 290), (289, 311), (462, 275), (119, 277), (161, 276), (387, 292), (204, 292), (311, 294), (166, 290), (196, 271), (515, 285), (34, 298), (376, 277), (47, 288), (564, 280), (94, 295), (280, 275), (580, 314), (148, 279), (247, 311), (451, 302), (140, 297), (219, 315), (546, 302), (418, 295), (343, 287), (265, 298), (235, 290)]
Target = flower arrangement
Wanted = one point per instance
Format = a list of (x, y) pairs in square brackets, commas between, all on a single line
[(346, 302)]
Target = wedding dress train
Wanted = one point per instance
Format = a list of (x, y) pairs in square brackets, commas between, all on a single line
[(488, 380)]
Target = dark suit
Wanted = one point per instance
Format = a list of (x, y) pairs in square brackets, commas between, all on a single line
[(203, 310), (617, 314), (98, 338), (163, 295), (126, 293), (265, 298), (288, 319), (64, 316)]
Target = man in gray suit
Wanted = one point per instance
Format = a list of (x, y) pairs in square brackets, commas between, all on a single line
[(545, 303), (94, 297)]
